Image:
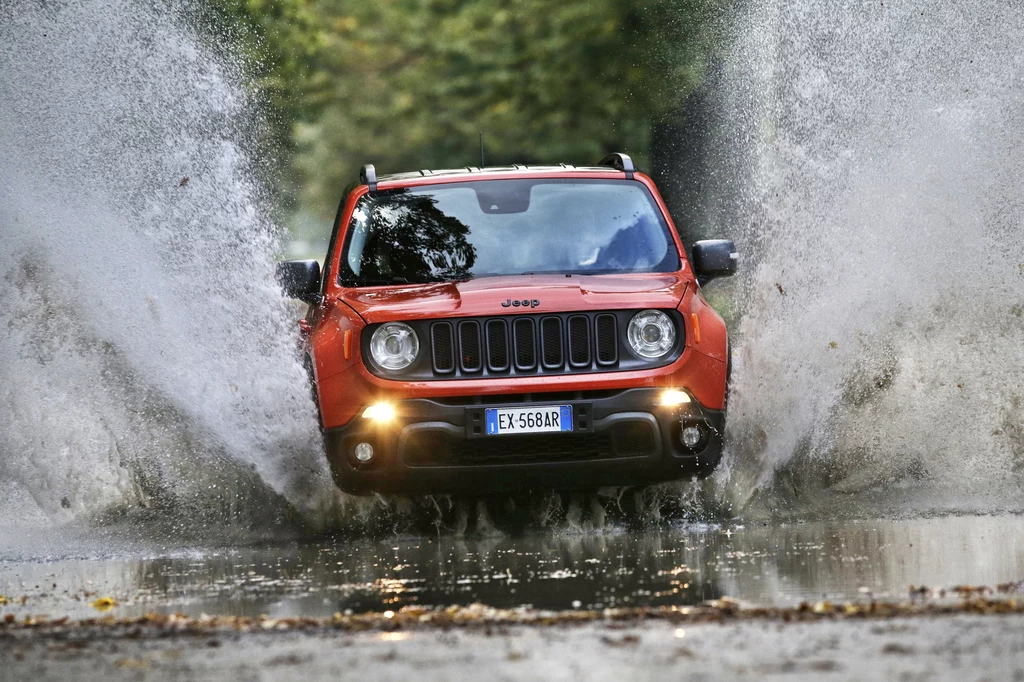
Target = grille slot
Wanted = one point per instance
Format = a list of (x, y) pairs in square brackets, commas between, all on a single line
[(497, 345), (607, 340), (525, 345), (442, 343), (579, 341), (469, 346), (551, 342)]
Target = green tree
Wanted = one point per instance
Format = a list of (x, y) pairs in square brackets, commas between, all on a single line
[(279, 43), (408, 84)]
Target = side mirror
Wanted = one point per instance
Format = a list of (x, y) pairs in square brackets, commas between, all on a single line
[(714, 258), (300, 279)]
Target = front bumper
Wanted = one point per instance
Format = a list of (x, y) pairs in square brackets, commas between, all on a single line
[(437, 446)]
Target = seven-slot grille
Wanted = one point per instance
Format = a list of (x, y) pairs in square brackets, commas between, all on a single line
[(547, 344)]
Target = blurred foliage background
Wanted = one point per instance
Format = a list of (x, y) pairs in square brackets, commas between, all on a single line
[(410, 84)]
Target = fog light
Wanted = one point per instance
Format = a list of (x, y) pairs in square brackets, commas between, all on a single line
[(672, 397), (382, 412), (364, 452), (691, 435)]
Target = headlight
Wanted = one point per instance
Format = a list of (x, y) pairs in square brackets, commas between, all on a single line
[(651, 334), (394, 345)]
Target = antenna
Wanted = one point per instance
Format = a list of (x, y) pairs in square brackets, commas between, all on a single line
[(482, 150)]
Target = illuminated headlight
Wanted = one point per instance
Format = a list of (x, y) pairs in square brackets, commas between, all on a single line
[(670, 398), (651, 334), (381, 412), (394, 345)]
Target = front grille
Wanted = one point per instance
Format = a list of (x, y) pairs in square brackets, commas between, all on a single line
[(544, 344), (532, 344), (547, 344)]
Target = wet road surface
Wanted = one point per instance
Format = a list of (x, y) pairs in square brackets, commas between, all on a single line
[(546, 569)]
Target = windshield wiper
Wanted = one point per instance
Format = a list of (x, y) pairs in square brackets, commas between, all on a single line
[(353, 281), (373, 281), (383, 281)]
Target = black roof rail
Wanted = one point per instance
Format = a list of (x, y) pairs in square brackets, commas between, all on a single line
[(368, 176), (620, 162)]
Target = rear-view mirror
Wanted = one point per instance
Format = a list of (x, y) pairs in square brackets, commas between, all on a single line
[(300, 279), (714, 258)]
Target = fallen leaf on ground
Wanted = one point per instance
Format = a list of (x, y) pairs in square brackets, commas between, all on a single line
[(104, 604), (627, 640), (132, 663)]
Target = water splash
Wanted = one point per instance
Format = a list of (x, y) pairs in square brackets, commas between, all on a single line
[(869, 165), (870, 158), (146, 356)]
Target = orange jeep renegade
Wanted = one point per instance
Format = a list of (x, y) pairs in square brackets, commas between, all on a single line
[(496, 330)]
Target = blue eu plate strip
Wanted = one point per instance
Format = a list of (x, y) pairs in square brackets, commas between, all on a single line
[(566, 418)]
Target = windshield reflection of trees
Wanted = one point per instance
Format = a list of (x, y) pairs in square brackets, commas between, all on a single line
[(413, 239)]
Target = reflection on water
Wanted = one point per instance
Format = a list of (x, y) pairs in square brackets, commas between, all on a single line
[(760, 564)]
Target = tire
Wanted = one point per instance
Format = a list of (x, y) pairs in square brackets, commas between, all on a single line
[(314, 393)]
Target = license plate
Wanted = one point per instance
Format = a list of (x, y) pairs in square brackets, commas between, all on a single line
[(545, 419)]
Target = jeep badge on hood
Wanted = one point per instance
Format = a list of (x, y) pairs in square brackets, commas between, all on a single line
[(525, 303)]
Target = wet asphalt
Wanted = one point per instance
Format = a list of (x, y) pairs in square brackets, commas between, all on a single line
[(555, 569)]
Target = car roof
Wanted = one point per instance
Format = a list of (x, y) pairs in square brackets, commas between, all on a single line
[(491, 170)]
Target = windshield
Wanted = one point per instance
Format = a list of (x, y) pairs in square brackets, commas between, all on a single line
[(506, 227)]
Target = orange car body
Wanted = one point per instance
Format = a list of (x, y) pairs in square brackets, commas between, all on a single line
[(335, 340)]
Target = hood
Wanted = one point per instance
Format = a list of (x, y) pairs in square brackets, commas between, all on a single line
[(498, 295)]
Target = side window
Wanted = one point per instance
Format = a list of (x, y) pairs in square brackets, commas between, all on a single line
[(326, 274), (358, 230)]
